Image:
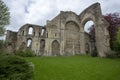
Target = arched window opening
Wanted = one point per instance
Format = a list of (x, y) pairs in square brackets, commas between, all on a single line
[(42, 32), (89, 29), (42, 46), (72, 35), (88, 26), (30, 31), (29, 43), (72, 26), (55, 48)]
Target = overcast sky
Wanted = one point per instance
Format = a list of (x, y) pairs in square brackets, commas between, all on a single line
[(38, 11)]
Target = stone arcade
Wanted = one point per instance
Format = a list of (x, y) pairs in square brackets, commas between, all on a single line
[(63, 35)]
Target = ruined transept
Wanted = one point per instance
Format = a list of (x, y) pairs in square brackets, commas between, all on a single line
[(63, 35)]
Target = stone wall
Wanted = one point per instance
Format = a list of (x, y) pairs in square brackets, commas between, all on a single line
[(11, 39), (65, 35)]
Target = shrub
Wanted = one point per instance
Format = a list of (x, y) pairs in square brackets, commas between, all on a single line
[(1, 46), (26, 53), (116, 45), (111, 54), (15, 68)]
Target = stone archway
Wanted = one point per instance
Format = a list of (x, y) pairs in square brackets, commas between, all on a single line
[(55, 48), (30, 30), (42, 46), (72, 38), (90, 38), (101, 34), (29, 43)]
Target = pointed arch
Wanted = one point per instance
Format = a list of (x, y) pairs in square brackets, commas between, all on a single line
[(72, 35), (30, 30), (29, 43), (42, 46), (55, 48), (72, 26), (94, 13)]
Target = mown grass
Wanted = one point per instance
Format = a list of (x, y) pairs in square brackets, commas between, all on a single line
[(75, 68)]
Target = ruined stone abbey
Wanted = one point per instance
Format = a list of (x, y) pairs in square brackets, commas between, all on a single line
[(63, 35)]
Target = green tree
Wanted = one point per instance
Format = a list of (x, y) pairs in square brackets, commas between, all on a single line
[(15, 68), (11, 67), (114, 23), (118, 35), (4, 20), (1, 46), (4, 17), (117, 42)]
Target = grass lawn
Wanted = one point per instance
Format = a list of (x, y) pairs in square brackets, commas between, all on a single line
[(75, 68)]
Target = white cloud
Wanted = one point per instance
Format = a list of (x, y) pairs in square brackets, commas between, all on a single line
[(17, 13), (38, 11)]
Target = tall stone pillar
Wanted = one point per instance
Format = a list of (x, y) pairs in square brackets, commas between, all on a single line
[(102, 38), (82, 43)]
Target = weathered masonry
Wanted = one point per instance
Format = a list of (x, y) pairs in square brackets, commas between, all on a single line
[(63, 35)]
